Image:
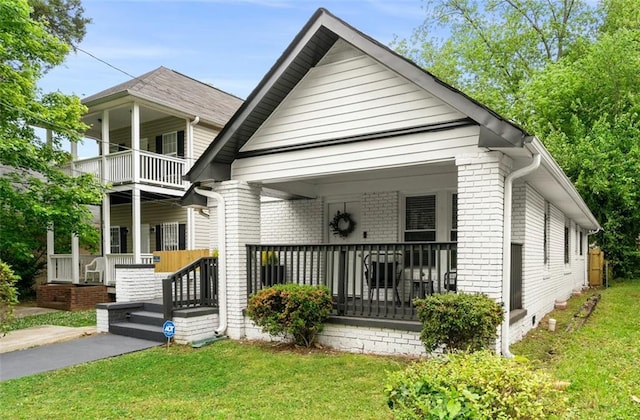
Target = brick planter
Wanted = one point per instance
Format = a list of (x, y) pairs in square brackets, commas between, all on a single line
[(71, 297)]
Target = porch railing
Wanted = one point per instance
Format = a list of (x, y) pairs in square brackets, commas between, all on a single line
[(62, 267), (154, 168), (193, 286), (365, 280)]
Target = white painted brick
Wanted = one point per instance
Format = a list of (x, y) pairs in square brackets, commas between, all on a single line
[(102, 320)]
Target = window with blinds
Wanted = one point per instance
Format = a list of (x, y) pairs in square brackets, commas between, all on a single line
[(420, 218), (170, 144)]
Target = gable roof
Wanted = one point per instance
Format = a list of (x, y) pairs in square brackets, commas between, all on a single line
[(310, 45), (176, 91)]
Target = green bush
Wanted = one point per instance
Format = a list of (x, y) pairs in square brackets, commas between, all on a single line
[(291, 309), (8, 296), (480, 385), (458, 321)]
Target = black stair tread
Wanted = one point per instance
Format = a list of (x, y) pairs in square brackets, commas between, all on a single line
[(137, 326), (147, 314)]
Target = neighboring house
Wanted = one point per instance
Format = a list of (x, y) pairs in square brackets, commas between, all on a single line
[(445, 195), (150, 130)]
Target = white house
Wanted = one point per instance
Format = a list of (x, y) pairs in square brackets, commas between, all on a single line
[(150, 130), (441, 194)]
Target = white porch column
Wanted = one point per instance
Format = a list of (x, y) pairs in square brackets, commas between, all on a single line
[(136, 234), (106, 233), (242, 227), (50, 251), (75, 258), (104, 146), (480, 222), (135, 191)]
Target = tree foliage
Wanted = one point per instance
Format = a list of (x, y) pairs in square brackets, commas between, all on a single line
[(34, 192), (63, 19), (493, 47), (567, 72)]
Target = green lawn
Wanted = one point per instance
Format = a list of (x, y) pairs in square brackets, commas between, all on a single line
[(227, 379), (601, 360), (62, 318), (231, 379)]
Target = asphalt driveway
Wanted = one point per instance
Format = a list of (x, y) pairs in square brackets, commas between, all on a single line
[(49, 357)]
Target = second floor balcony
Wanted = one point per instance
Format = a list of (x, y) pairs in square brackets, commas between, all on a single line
[(119, 169)]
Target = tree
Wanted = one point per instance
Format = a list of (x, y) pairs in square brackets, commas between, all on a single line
[(34, 192), (567, 73), (587, 109), (493, 47), (63, 19)]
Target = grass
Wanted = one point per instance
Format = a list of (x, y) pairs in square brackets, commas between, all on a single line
[(600, 360), (62, 318), (232, 379), (226, 380)]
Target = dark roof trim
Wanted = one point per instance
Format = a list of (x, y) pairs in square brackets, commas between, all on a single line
[(294, 48), (514, 135), (429, 128)]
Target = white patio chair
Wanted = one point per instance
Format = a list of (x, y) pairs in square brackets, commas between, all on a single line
[(95, 266)]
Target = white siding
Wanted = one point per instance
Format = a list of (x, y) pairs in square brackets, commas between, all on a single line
[(202, 138), (350, 97), (382, 153), (153, 214), (148, 130), (543, 284)]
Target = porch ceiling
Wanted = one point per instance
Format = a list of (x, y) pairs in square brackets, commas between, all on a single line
[(119, 118), (391, 179), (124, 197)]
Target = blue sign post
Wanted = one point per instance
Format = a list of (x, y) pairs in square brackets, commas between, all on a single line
[(169, 330)]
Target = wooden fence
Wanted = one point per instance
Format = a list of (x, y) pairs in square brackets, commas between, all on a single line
[(172, 261), (596, 267)]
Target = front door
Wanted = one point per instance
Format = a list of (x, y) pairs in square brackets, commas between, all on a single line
[(352, 277)]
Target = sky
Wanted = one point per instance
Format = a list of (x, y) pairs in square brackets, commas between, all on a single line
[(230, 44)]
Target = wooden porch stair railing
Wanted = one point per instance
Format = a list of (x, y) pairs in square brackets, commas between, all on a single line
[(193, 286)]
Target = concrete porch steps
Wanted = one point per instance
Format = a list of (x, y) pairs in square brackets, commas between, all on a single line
[(144, 322)]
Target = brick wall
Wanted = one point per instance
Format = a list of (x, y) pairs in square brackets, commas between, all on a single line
[(135, 283), (70, 297), (102, 320), (194, 328), (480, 222), (355, 339), (292, 222), (380, 216), (242, 228)]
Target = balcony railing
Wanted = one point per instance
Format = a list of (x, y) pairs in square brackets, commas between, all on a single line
[(154, 169), (62, 267), (365, 280)]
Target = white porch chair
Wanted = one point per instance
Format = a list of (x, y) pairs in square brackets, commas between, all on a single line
[(95, 266)]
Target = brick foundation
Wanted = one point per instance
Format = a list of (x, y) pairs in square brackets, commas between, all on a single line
[(71, 297)]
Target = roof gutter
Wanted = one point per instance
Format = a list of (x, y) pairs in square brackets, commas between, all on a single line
[(506, 247), (222, 258)]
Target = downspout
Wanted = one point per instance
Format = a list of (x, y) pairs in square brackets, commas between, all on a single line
[(506, 247), (222, 257)]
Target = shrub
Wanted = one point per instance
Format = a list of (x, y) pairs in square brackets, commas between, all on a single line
[(293, 309), (458, 321), (8, 296), (480, 385)]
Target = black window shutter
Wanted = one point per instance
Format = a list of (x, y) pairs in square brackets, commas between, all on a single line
[(182, 236), (158, 237), (159, 145), (123, 240), (181, 143)]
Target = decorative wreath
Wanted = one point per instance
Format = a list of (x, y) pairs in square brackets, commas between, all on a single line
[(342, 224)]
